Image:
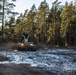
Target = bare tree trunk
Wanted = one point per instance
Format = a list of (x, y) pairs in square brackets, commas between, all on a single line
[(3, 21)]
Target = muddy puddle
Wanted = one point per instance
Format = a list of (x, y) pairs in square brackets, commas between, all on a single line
[(56, 60)]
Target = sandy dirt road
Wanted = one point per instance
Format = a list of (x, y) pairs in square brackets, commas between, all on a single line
[(20, 69), (23, 69), (14, 69)]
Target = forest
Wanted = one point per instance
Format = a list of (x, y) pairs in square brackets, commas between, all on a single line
[(55, 26)]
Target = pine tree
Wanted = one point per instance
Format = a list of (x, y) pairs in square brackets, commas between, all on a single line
[(41, 18), (54, 23), (66, 26)]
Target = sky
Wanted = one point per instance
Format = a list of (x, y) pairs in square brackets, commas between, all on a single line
[(22, 5)]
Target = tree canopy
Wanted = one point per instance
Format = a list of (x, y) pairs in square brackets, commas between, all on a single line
[(53, 26)]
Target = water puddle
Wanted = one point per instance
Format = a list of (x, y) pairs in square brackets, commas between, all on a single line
[(47, 59)]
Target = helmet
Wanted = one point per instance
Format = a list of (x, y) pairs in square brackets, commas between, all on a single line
[(25, 33)]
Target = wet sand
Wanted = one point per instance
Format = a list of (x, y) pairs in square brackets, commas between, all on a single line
[(23, 69), (20, 69)]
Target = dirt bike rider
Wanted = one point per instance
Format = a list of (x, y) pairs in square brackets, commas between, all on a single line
[(25, 37)]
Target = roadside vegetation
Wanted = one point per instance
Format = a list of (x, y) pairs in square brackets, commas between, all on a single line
[(55, 26)]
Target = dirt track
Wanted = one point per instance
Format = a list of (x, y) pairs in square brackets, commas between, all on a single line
[(14, 69), (20, 69), (23, 69)]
